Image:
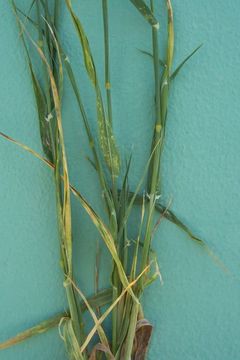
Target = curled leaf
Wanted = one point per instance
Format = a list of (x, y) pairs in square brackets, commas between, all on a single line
[(70, 340), (142, 338), (100, 348)]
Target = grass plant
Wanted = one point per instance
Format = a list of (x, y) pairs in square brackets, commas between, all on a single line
[(133, 267)]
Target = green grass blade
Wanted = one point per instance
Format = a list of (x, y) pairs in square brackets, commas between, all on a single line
[(107, 61), (27, 17), (42, 109), (55, 55), (106, 136), (123, 194), (56, 13), (176, 71), (35, 330), (135, 256), (153, 172), (100, 299), (87, 55), (170, 216), (161, 62), (28, 149), (146, 12), (44, 117), (129, 342)]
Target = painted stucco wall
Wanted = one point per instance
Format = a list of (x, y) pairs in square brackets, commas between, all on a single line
[(196, 313)]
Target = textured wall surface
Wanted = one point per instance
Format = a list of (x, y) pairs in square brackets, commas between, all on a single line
[(196, 313)]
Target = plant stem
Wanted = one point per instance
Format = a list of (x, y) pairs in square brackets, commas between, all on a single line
[(131, 332), (56, 12), (154, 169), (107, 65), (74, 312), (67, 265), (108, 82), (113, 224)]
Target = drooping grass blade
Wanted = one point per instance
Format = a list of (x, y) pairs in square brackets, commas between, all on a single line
[(68, 335), (35, 330)]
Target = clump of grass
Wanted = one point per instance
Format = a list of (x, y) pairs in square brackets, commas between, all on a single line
[(132, 269)]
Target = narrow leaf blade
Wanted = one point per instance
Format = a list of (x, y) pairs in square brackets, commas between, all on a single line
[(106, 136), (35, 330), (176, 71), (145, 11)]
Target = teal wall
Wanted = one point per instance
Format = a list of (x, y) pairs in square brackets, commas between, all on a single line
[(196, 313)]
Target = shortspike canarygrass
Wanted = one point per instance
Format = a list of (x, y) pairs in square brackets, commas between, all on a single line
[(133, 267)]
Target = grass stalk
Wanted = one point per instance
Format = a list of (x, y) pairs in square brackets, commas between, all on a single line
[(134, 262), (108, 82), (161, 104), (128, 346), (153, 176), (62, 184), (107, 61), (115, 278)]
